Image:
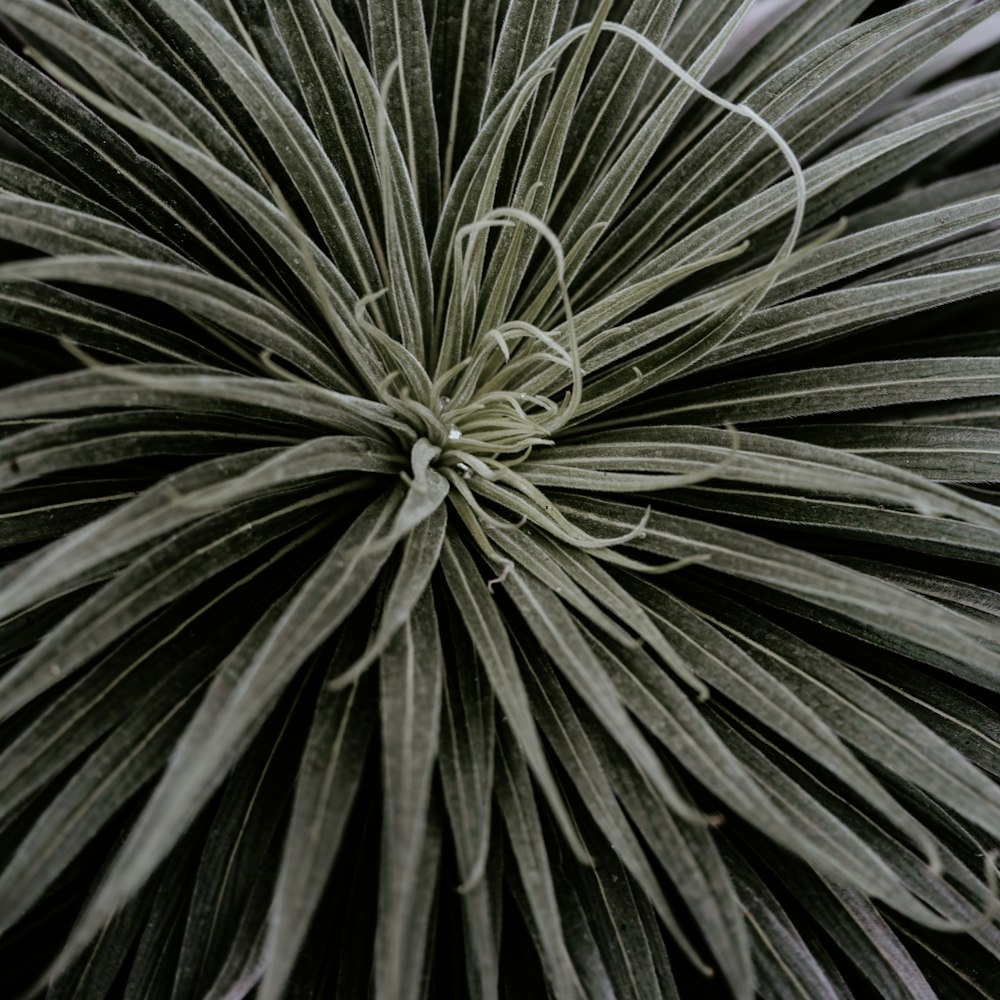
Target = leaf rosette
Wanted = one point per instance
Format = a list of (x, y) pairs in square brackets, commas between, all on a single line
[(514, 474)]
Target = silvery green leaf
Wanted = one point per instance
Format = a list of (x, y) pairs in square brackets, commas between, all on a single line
[(339, 734), (519, 811), (410, 680)]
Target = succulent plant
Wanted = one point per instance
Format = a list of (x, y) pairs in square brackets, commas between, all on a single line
[(498, 499)]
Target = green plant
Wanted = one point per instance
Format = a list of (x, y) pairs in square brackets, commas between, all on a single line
[(534, 449)]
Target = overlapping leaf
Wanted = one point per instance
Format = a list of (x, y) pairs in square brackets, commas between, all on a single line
[(483, 470)]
